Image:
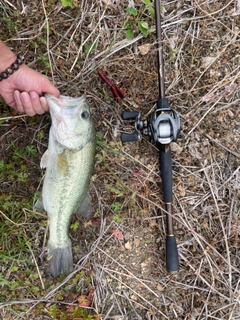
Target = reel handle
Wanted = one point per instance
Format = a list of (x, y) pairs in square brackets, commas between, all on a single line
[(130, 137), (136, 135), (129, 115)]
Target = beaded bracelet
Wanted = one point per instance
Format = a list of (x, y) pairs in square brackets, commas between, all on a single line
[(15, 66)]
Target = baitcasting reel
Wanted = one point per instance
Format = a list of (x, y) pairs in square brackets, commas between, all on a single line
[(162, 126)]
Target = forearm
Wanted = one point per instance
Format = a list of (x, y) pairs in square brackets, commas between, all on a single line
[(7, 57)]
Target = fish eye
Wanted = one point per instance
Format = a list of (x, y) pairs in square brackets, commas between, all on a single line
[(85, 115)]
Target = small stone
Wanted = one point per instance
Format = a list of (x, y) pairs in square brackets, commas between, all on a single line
[(160, 288), (127, 235), (133, 298), (192, 202), (128, 246)]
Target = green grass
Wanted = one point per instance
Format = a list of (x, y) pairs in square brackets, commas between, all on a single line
[(138, 21)]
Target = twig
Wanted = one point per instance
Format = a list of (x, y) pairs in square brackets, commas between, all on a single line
[(38, 271), (236, 154), (14, 223), (13, 117), (207, 112), (224, 234), (48, 50), (137, 294)]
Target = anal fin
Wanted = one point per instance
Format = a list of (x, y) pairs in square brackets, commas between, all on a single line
[(85, 208)]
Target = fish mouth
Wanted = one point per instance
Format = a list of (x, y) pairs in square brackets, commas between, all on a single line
[(65, 101), (66, 106)]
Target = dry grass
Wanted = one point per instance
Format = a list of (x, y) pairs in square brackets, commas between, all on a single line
[(202, 83)]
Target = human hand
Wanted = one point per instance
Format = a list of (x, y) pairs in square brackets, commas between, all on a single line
[(24, 89)]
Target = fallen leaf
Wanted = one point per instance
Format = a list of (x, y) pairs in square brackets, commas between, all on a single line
[(230, 88), (144, 48), (136, 174), (118, 234), (136, 242), (176, 148), (181, 190), (208, 97), (194, 149), (207, 61)]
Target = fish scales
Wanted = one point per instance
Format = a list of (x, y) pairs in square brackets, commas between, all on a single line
[(65, 189), (69, 161)]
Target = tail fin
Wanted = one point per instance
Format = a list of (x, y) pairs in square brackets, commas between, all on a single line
[(60, 258)]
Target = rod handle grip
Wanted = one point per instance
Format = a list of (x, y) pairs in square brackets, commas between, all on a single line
[(129, 115), (166, 174), (172, 263)]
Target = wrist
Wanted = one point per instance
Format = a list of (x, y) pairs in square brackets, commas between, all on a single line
[(12, 68), (7, 57)]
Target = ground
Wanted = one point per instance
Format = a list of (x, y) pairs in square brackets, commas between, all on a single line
[(119, 255)]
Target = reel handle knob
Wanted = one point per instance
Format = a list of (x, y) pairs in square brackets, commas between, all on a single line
[(129, 115), (130, 137)]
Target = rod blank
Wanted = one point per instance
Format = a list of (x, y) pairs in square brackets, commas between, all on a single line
[(161, 78), (165, 157)]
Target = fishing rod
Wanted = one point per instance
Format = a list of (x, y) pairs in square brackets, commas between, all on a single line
[(163, 127)]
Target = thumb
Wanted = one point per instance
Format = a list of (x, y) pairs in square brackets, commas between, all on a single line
[(52, 90)]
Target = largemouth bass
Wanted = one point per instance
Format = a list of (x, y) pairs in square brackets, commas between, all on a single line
[(69, 162)]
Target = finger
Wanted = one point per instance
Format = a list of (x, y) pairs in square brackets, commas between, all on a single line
[(49, 88), (36, 103), (27, 104), (18, 103), (54, 91), (44, 103)]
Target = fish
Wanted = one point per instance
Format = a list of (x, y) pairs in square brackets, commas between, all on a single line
[(69, 163)]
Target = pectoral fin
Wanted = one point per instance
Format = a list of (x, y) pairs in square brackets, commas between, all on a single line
[(44, 160), (38, 205), (85, 208)]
